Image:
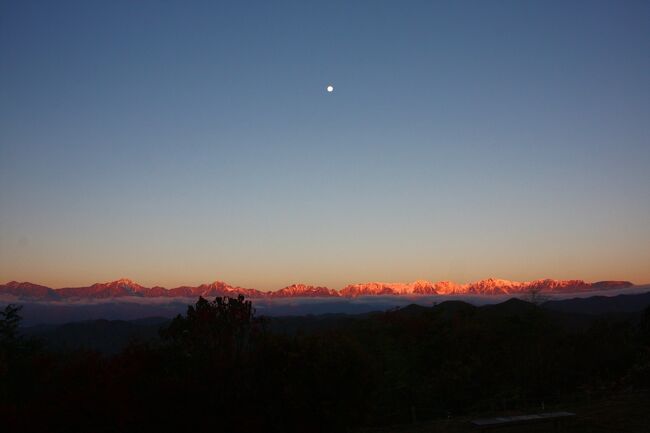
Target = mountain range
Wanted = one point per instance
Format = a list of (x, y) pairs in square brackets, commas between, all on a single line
[(127, 288)]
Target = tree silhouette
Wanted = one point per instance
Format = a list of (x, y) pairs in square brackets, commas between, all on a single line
[(218, 371), (9, 322), (535, 296), (222, 327)]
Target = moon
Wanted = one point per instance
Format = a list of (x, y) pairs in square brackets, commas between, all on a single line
[(330, 88)]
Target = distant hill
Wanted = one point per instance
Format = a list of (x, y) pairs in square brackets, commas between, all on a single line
[(106, 336), (602, 304), (111, 336)]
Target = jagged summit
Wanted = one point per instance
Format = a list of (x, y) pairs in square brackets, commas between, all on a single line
[(303, 290), (490, 286), (123, 281)]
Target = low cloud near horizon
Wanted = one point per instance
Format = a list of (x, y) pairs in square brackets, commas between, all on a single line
[(132, 308)]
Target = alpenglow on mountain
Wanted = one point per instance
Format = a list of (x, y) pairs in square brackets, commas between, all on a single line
[(127, 288)]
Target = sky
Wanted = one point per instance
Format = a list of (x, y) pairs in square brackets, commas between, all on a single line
[(186, 142)]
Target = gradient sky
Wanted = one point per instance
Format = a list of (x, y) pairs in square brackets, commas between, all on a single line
[(184, 142)]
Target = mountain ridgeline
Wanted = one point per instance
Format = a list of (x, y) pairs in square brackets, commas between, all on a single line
[(127, 288)]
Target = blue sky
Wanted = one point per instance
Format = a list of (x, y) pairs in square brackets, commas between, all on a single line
[(183, 142)]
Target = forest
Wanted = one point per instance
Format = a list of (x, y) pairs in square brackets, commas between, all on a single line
[(221, 367)]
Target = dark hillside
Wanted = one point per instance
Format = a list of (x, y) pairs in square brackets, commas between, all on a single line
[(602, 304)]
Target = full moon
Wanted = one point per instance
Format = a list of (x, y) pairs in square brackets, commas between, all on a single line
[(330, 88)]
